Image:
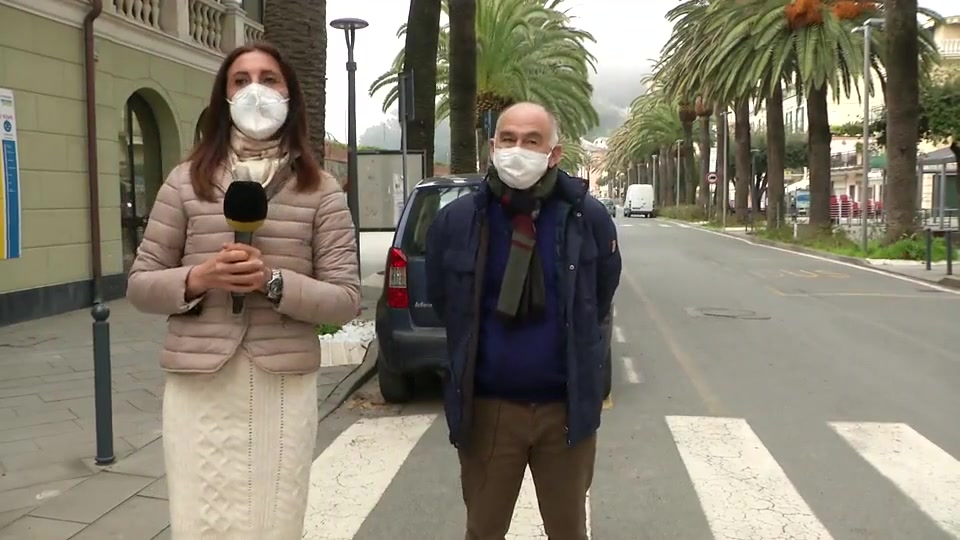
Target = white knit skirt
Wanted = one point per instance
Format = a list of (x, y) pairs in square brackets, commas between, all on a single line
[(238, 446)]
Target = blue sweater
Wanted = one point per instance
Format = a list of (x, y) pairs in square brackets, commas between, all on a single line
[(521, 361)]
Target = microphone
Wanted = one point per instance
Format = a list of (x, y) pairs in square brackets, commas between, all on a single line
[(245, 208)]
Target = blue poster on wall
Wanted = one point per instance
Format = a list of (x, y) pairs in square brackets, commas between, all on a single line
[(9, 179)]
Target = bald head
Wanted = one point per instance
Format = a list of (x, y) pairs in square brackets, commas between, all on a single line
[(531, 126)]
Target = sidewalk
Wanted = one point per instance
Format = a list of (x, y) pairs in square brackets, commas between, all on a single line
[(937, 274), (49, 487)]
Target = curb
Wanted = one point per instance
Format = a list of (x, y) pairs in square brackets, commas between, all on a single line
[(947, 281), (351, 383)]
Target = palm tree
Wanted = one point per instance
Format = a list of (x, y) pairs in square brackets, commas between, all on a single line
[(903, 117), (809, 45), (651, 129), (526, 50), (299, 29), (462, 94), (420, 60)]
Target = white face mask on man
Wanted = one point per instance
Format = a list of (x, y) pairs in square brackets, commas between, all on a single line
[(258, 111), (520, 168)]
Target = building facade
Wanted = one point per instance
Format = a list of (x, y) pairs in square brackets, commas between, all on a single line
[(154, 66), (849, 109)]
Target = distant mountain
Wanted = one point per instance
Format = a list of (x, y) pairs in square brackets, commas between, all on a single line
[(386, 135)]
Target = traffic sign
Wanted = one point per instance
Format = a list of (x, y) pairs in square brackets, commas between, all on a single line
[(712, 178)]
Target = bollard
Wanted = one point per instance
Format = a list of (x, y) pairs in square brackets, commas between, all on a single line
[(102, 387), (929, 247), (949, 239)]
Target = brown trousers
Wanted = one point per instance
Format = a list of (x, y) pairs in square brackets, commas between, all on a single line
[(508, 436)]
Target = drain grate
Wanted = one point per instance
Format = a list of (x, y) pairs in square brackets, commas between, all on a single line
[(728, 313)]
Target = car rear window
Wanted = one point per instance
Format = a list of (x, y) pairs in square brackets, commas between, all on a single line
[(423, 210)]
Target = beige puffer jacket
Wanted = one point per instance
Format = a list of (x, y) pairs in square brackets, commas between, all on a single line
[(308, 236)]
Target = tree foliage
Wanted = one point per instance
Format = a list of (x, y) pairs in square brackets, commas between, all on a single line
[(940, 111)]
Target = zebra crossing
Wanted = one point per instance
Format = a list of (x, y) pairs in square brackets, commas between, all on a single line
[(742, 490)]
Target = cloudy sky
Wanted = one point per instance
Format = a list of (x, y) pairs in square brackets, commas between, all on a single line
[(629, 33)]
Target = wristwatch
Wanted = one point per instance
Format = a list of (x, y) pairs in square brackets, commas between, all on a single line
[(275, 286)]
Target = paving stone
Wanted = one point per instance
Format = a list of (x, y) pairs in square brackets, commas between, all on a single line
[(137, 518), (139, 440), (148, 461), (156, 490), (47, 473), (10, 516), (28, 397), (34, 528), (41, 430), (92, 498), (164, 535), (53, 453), (25, 499), (16, 447), (45, 417)]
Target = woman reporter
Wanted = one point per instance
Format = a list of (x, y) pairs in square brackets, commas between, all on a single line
[(240, 402)]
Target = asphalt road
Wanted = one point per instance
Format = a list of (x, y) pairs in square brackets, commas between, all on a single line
[(758, 394)]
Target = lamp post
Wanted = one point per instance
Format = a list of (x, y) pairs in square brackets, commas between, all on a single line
[(725, 199), (350, 27), (676, 194), (864, 201)]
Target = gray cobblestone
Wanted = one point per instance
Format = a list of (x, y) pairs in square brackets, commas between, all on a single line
[(49, 488)]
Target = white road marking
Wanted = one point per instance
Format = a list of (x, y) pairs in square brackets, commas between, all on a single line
[(924, 472), (743, 491), (665, 225), (618, 335), (832, 261), (351, 474), (627, 224), (527, 523), (633, 374)]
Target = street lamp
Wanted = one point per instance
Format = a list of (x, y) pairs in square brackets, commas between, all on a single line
[(867, 25), (676, 194), (350, 27)]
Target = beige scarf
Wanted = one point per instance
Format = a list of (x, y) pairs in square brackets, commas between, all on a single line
[(255, 160)]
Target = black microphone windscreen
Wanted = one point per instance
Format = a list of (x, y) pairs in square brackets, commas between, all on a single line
[(245, 205)]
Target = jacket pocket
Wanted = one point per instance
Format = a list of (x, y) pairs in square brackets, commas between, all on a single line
[(460, 271)]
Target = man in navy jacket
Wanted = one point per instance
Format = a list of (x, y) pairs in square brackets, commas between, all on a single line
[(522, 273)]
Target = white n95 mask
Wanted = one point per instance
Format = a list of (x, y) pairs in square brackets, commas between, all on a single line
[(258, 111), (520, 168)]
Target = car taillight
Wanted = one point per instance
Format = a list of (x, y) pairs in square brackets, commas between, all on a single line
[(397, 295)]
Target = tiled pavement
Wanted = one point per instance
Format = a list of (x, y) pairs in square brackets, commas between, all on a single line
[(49, 487)]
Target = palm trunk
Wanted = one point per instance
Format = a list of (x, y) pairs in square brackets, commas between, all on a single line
[(463, 86), (903, 113), (818, 156), (742, 158), (670, 196), (662, 177), (721, 163), (420, 59), (689, 178), (299, 29), (704, 194), (776, 158)]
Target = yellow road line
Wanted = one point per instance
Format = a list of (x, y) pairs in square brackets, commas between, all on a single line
[(686, 363)]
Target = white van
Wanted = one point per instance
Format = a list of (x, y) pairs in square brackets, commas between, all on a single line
[(639, 201)]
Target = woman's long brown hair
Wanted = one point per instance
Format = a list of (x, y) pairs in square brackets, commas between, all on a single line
[(210, 153)]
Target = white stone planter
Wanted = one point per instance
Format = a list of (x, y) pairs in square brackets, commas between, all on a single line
[(348, 346), (342, 353)]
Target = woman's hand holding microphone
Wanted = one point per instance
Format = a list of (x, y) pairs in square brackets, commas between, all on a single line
[(236, 268)]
